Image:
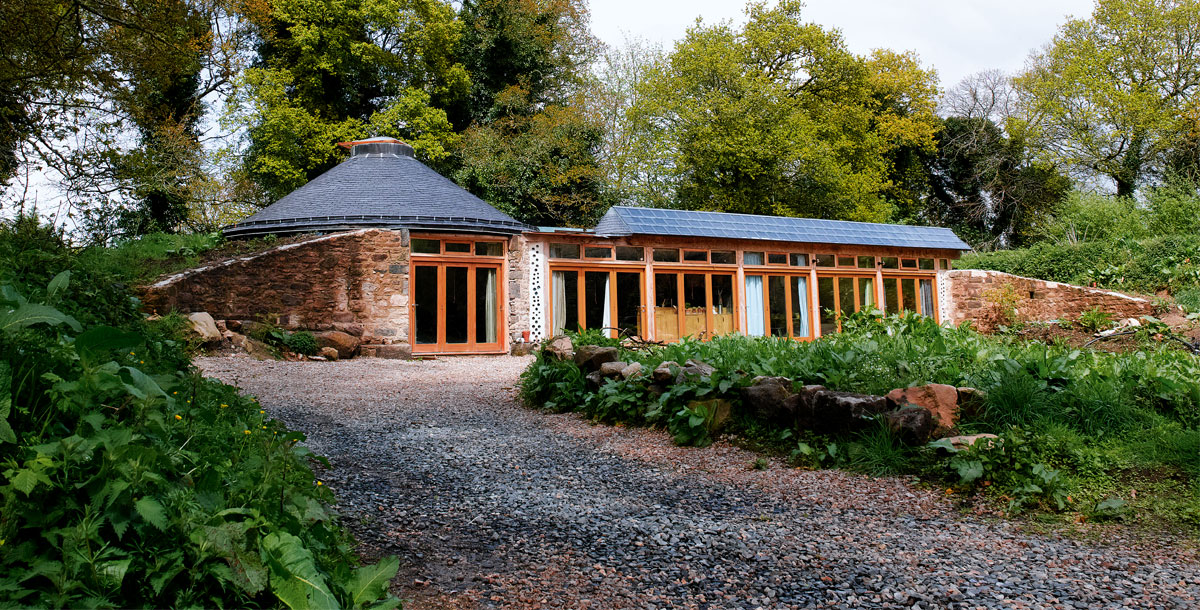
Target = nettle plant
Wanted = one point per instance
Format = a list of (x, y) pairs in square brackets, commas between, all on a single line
[(126, 482)]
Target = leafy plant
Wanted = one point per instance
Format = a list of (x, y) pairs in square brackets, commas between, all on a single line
[(1009, 466), (302, 342), (1095, 320)]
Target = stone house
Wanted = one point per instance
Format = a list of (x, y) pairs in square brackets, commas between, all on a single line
[(410, 263)]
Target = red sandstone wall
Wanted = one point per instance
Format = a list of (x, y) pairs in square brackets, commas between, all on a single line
[(972, 297), (356, 282)]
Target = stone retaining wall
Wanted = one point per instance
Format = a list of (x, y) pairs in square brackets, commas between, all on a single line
[(356, 282), (974, 295)]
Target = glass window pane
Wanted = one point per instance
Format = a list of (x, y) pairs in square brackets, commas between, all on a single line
[(800, 326), (629, 303), (425, 305), (890, 262), (723, 257), (824, 260), (846, 295), (927, 304), (426, 246), (565, 300), (908, 293), (695, 256), (798, 260), (845, 261), (457, 305), (597, 252), (488, 248), (666, 255), (695, 302), (564, 250), (752, 258), (826, 301), (777, 259), (630, 253), (866, 293), (722, 304), (755, 306), (777, 301), (485, 305), (458, 247), (866, 262), (891, 298), (908, 263), (945, 263), (926, 263), (666, 306), (596, 303)]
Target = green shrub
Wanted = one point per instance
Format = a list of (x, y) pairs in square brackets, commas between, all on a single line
[(302, 342), (1095, 320), (127, 479), (1009, 466), (878, 451)]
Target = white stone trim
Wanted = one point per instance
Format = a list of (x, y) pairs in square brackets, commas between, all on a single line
[(945, 304)]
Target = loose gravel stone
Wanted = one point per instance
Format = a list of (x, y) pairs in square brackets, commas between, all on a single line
[(491, 505)]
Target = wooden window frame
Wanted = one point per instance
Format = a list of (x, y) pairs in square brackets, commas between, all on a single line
[(709, 316), (470, 347), (787, 303), (581, 285)]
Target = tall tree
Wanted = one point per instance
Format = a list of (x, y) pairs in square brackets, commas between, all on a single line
[(1111, 94), (531, 145), (780, 118), (329, 70)]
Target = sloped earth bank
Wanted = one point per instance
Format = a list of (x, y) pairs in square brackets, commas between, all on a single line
[(491, 505)]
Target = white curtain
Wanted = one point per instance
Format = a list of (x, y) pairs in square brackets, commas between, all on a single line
[(927, 297), (867, 288), (755, 322), (559, 281), (802, 290), (607, 320), (489, 306)]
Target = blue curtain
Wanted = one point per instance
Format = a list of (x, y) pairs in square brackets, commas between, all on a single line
[(755, 324)]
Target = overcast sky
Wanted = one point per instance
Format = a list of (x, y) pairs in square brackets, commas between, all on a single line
[(958, 38)]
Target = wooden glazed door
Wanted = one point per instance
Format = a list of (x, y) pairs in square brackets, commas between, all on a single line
[(455, 308)]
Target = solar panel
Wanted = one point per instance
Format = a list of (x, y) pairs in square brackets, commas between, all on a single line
[(626, 220)]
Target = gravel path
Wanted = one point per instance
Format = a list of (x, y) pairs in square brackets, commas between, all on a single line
[(490, 505)]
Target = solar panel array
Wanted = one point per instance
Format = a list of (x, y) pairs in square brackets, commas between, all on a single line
[(624, 220)]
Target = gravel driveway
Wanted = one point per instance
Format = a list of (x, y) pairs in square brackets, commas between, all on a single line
[(490, 505)]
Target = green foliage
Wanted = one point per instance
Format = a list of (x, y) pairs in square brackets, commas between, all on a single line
[(302, 342), (1114, 94), (878, 452), (1095, 320), (778, 117), (1009, 465), (127, 479)]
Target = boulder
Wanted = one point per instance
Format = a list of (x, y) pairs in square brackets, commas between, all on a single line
[(964, 442), (719, 411), (590, 357), (594, 379), (329, 353), (345, 344), (612, 370), (829, 411), (234, 339), (234, 325), (913, 425), (522, 348), (664, 373), (767, 399), (694, 368), (353, 329), (206, 328), (394, 351), (560, 348), (940, 399), (633, 370), (971, 402)]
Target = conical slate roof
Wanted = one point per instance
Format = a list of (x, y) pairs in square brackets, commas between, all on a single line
[(381, 185)]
